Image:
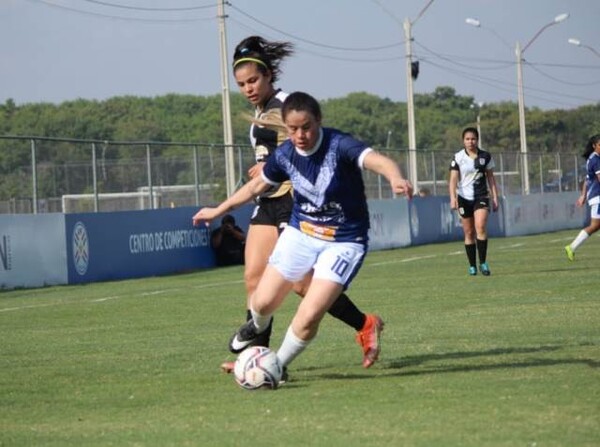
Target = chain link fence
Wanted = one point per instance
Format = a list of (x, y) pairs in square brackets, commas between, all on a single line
[(69, 176)]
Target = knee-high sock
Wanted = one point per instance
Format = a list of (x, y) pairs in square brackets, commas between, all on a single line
[(262, 322), (471, 250), (291, 347), (482, 249), (345, 310), (263, 338), (580, 239)]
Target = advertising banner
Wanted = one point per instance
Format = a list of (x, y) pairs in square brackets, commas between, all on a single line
[(432, 220), (130, 244)]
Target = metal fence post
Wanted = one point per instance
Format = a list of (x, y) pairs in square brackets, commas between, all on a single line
[(196, 176), (559, 169), (149, 173), (434, 173), (240, 180), (94, 178), (34, 177), (541, 163), (502, 173)]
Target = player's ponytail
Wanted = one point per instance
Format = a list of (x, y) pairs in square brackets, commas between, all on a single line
[(265, 54), (589, 147)]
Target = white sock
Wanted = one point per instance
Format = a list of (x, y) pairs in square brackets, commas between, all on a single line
[(580, 239), (260, 321), (291, 347)]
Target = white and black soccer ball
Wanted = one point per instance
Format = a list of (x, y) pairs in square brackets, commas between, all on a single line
[(257, 367)]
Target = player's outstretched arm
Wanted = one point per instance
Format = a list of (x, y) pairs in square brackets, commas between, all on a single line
[(379, 163), (243, 195)]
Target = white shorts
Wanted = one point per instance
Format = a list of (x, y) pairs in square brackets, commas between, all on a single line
[(297, 253), (595, 211)]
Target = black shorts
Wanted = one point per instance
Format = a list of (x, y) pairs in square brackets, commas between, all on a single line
[(275, 212), (466, 208)]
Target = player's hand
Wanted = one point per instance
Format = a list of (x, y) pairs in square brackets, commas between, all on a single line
[(453, 203), (205, 215), (580, 201), (495, 205), (403, 186)]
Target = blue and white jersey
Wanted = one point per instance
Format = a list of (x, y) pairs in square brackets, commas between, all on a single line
[(592, 166), (472, 183), (329, 193)]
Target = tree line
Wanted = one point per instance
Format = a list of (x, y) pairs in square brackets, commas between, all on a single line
[(440, 117)]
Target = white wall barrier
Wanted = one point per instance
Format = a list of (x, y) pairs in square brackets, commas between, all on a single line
[(390, 224), (542, 213), (32, 250)]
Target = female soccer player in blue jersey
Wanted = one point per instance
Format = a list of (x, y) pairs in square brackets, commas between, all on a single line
[(471, 170), (257, 67), (328, 229), (590, 192)]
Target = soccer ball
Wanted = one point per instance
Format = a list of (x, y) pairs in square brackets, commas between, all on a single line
[(257, 367)]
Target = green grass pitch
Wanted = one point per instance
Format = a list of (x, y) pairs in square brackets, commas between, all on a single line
[(506, 360)]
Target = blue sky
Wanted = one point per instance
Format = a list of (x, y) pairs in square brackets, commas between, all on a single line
[(59, 50)]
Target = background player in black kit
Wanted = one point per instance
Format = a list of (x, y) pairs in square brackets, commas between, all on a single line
[(471, 171), (256, 68)]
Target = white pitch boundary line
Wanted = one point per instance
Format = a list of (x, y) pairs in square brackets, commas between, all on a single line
[(562, 239), (116, 297), (31, 306), (506, 247), (396, 261)]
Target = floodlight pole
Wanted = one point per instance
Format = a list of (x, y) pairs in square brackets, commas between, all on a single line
[(412, 139), (521, 97), (522, 131), (227, 127), (410, 104)]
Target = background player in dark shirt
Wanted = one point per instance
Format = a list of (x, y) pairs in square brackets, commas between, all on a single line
[(228, 242), (590, 193)]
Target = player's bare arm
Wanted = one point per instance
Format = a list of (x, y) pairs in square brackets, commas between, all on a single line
[(245, 194), (452, 186), (385, 166)]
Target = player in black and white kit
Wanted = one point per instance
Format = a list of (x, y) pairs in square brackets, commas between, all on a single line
[(256, 68), (471, 171)]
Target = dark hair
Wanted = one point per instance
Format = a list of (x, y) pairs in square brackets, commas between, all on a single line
[(268, 53), (472, 130), (301, 102), (228, 219), (589, 147)]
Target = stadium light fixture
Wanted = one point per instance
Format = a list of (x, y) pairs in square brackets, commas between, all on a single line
[(519, 54), (577, 43)]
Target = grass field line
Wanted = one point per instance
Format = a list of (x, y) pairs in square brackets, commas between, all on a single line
[(116, 297), (517, 245), (31, 306), (396, 261), (562, 239)]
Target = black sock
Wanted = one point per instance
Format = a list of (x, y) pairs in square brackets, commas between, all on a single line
[(264, 338), (471, 250), (345, 310), (482, 250)]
